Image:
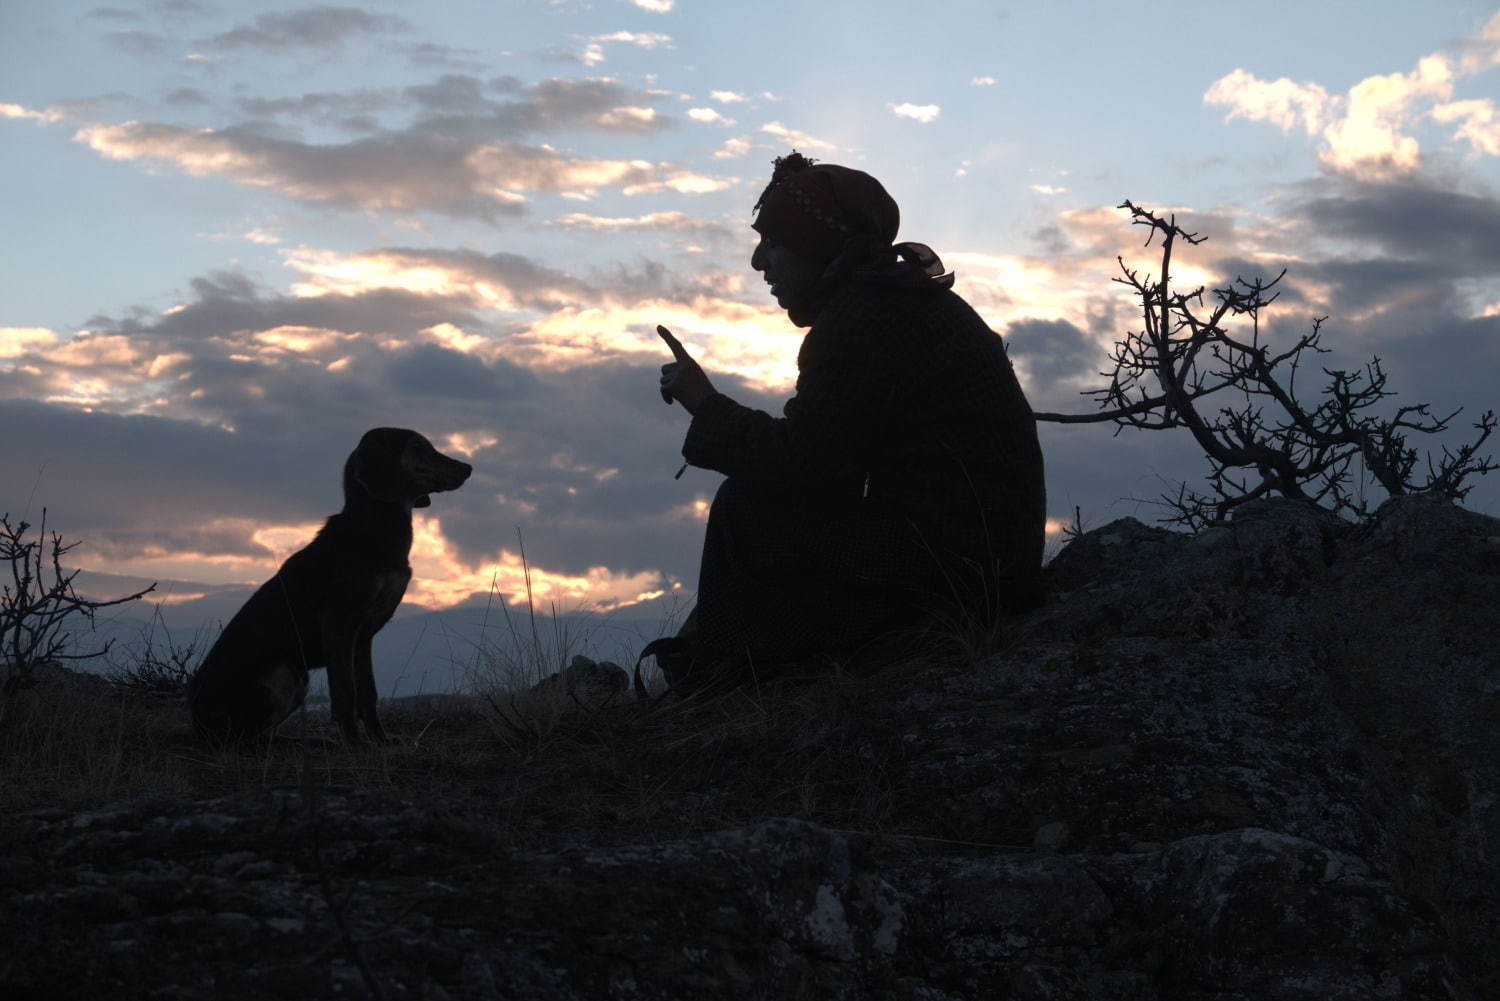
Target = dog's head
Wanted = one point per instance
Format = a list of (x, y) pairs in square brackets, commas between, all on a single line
[(401, 466)]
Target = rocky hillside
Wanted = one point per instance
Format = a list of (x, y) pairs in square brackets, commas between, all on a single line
[(1259, 763)]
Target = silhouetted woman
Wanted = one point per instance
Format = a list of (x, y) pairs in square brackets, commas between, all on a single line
[(904, 478)]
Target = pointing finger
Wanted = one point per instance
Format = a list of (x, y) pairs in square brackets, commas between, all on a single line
[(678, 350)]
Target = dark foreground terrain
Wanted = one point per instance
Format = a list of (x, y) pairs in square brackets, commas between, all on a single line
[(1259, 763)]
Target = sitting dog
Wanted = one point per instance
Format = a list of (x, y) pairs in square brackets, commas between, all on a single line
[(326, 602)]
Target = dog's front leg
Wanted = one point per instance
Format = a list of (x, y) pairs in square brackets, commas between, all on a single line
[(338, 645), (364, 687)]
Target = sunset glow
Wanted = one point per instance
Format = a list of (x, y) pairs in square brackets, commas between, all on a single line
[(235, 250)]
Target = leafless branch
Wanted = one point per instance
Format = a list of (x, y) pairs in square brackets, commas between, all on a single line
[(38, 601), (1271, 442)]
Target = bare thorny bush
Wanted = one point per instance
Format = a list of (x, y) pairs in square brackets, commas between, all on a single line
[(1164, 373), (158, 664), (38, 601)]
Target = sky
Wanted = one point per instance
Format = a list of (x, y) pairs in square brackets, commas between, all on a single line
[(239, 235)]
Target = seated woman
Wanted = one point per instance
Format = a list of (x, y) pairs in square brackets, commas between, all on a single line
[(904, 477)]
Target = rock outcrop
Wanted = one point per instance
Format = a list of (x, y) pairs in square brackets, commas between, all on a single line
[(1262, 762)]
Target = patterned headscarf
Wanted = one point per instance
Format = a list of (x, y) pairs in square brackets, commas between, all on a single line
[(836, 214)]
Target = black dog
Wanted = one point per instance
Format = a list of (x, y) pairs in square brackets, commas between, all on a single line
[(327, 601)]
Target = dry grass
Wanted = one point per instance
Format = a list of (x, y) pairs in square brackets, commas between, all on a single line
[(667, 767), (533, 763), (77, 742)]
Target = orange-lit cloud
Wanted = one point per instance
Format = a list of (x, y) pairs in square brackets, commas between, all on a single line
[(18, 341), (756, 343), (501, 281), (260, 550), (441, 578)]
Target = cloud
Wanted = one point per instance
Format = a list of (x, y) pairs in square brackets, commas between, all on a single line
[(924, 113), (708, 115), (796, 138), (446, 56), (137, 42), (1390, 241), (308, 27), (1369, 135), (498, 281), (1047, 189), (346, 311), (546, 380), (641, 39), (655, 6), (982, 81), (113, 14), (18, 341), (1479, 53), (18, 112), (187, 97), (593, 46), (684, 182), (1479, 126), (1283, 103), (269, 494), (415, 170), (727, 96), (733, 148), (1367, 132), (466, 107), (355, 109), (668, 222), (1051, 352)]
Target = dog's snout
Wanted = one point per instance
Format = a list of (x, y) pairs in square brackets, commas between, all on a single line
[(442, 472), (458, 472)]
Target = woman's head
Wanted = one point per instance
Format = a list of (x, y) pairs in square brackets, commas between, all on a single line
[(811, 213), (816, 208)]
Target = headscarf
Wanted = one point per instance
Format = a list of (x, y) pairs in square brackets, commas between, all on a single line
[(845, 217)]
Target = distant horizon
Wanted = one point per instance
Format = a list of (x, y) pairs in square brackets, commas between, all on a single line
[(243, 235)]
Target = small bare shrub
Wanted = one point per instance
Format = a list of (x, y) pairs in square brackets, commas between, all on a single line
[(158, 665), (38, 602)]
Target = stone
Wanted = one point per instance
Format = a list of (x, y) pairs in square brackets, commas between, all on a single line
[(591, 684)]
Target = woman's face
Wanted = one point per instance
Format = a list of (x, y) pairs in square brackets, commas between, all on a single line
[(787, 272)]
